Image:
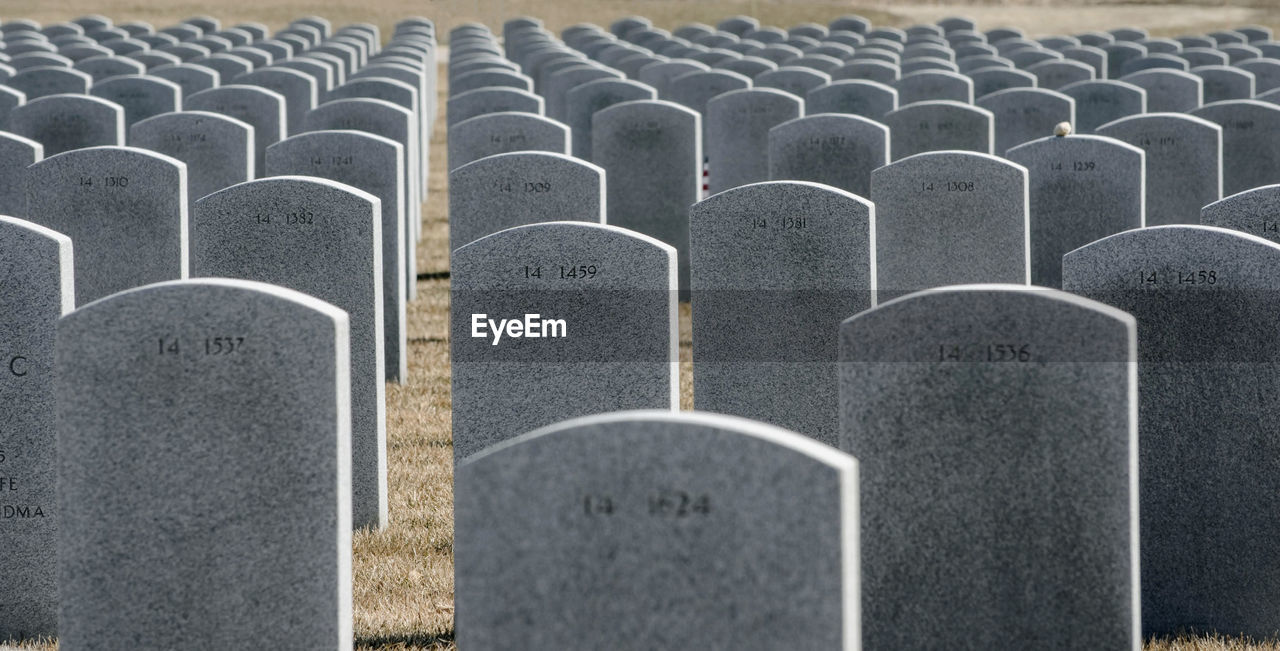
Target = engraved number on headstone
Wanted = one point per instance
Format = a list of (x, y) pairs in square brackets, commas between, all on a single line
[(984, 352), (1195, 277)]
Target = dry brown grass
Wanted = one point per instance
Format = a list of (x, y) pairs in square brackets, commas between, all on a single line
[(404, 575)]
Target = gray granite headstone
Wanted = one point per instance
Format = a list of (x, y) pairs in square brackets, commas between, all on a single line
[(16, 154), (1168, 91), (189, 77), (737, 138), (44, 81), (262, 109), (322, 238), (931, 85), (384, 119), (853, 96), (491, 77), (797, 257), (1025, 114), (832, 149), (947, 218), (792, 79), (224, 429), (298, 90), (1250, 142), (1266, 73), (1081, 189), (883, 72), (9, 99), (501, 133), (1118, 54), (373, 164), (939, 125), (1206, 303), (659, 75), (557, 320), (1153, 62), (218, 150), (583, 101), (125, 209), (602, 500), (1184, 162), (1056, 74), (229, 66), (1222, 83), (1203, 56), (1103, 100), (519, 188), (694, 89), (993, 80), (1039, 545), (1255, 211), (652, 156), (140, 96), (105, 67), (35, 290), (65, 122)]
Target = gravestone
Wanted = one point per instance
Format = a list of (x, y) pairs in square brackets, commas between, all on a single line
[(1184, 163), (651, 153), (1255, 211), (372, 164), (1081, 189), (1025, 114), (65, 122), (1103, 100), (9, 100), (395, 123), (217, 150), (835, 150), (737, 138), (792, 79), (694, 89), (1154, 62), (939, 125), (602, 499), (798, 258), (262, 109), (609, 341), (1250, 142), (101, 68), (36, 290), (659, 75), (507, 190), (140, 96), (225, 421), (993, 80), (883, 72), (1168, 91), (1052, 75), (1119, 54), (189, 77), (583, 101), (1094, 57), (125, 209), (1222, 83), (43, 81), (932, 85), (1207, 536), (16, 154), (926, 388), (1266, 73), (501, 133), (853, 96), (298, 90), (948, 218), (324, 239)]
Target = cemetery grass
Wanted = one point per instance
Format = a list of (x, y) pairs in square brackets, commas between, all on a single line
[(403, 576)]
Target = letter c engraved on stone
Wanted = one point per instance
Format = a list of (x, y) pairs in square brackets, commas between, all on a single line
[(13, 366)]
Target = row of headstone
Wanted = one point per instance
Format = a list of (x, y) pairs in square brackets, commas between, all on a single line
[(972, 372), (173, 364)]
